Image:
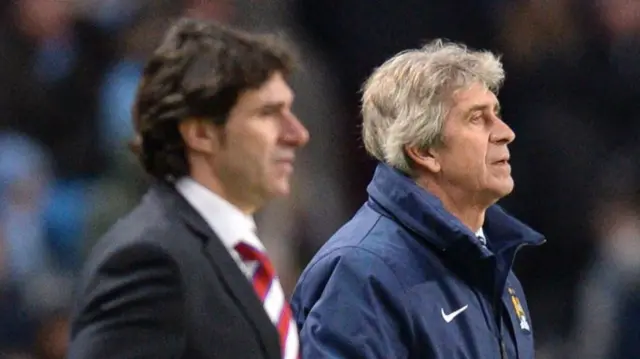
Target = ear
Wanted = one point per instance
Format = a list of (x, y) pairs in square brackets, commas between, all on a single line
[(427, 158), (199, 135)]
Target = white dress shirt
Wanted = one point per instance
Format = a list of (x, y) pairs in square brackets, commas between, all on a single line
[(481, 236), (226, 220)]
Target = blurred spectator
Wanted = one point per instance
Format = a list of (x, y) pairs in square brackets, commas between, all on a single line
[(35, 257), (626, 343), (50, 66), (52, 337), (610, 288), (111, 15), (223, 11), (15, 324), (25, 179), (136, 40)]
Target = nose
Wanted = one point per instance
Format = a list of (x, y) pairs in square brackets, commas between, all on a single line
[(293, 131), (502, 133)]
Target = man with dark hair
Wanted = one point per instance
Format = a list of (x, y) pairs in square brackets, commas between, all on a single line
[(184, 274)]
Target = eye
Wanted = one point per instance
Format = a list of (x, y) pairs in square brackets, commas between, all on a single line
[(268, 111), (476, 118), (272, 110)]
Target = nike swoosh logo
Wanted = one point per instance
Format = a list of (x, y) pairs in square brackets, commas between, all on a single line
[(449, 317)]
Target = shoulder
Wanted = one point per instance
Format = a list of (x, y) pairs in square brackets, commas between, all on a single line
[(359, 251), (359, 277), (134, 255), (148, 229), (372, 243), (360, 260), (350, 288)]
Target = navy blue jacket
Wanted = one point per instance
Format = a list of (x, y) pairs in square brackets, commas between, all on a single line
[(405, 279)]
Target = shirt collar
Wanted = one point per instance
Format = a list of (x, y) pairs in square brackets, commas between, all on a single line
[(225, 219), (481, 236)]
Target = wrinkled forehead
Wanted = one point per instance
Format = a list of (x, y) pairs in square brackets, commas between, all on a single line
[(476, 95)]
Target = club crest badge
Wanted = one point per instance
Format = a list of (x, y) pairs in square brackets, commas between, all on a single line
[(519, 310)]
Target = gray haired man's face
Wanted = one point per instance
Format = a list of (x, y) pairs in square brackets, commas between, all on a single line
[(474, 157)]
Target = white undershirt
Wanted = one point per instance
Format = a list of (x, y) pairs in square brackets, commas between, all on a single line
[(226, 220)]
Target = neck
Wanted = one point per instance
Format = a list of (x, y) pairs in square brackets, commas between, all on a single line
[(216, 186), (460, 204)]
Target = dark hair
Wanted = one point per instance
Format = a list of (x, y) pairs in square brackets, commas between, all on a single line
[(199, 70)]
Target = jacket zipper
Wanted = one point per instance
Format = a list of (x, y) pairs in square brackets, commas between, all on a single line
[(497, 307)]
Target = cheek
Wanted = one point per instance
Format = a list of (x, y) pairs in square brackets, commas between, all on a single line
[(257, 153), (253, 157), (249, 141), (478, 155), (255, 146), (471, 158), (468, 165)]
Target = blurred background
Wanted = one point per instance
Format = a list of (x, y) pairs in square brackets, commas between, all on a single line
[(68, 74)]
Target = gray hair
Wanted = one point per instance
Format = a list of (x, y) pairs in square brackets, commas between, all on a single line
[(404, 101)]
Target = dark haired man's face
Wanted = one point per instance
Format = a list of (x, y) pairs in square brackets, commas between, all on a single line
[(257, 147)]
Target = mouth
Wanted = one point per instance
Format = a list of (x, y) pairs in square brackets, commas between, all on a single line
[(286, 164), (288, 161), (502, 162)]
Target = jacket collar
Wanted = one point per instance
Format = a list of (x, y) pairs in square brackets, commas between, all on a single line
[(423, 213), (164, 193)]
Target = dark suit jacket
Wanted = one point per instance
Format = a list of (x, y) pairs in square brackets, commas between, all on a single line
[(160, 284)]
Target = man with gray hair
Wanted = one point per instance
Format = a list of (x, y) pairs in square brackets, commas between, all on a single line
[(423, 270)]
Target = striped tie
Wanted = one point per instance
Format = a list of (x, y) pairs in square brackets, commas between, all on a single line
[(269, 290)]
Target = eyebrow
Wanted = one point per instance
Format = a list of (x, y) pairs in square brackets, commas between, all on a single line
[(271, 106), (496, 108)]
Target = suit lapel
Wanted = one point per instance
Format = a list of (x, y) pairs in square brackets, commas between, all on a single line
[(244, 294), (236, 282)]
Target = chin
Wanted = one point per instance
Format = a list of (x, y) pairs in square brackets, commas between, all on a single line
[(281, 188), (505, 188), (500, 188)]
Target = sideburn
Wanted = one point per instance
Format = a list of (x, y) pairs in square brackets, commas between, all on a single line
[(222, 135)]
